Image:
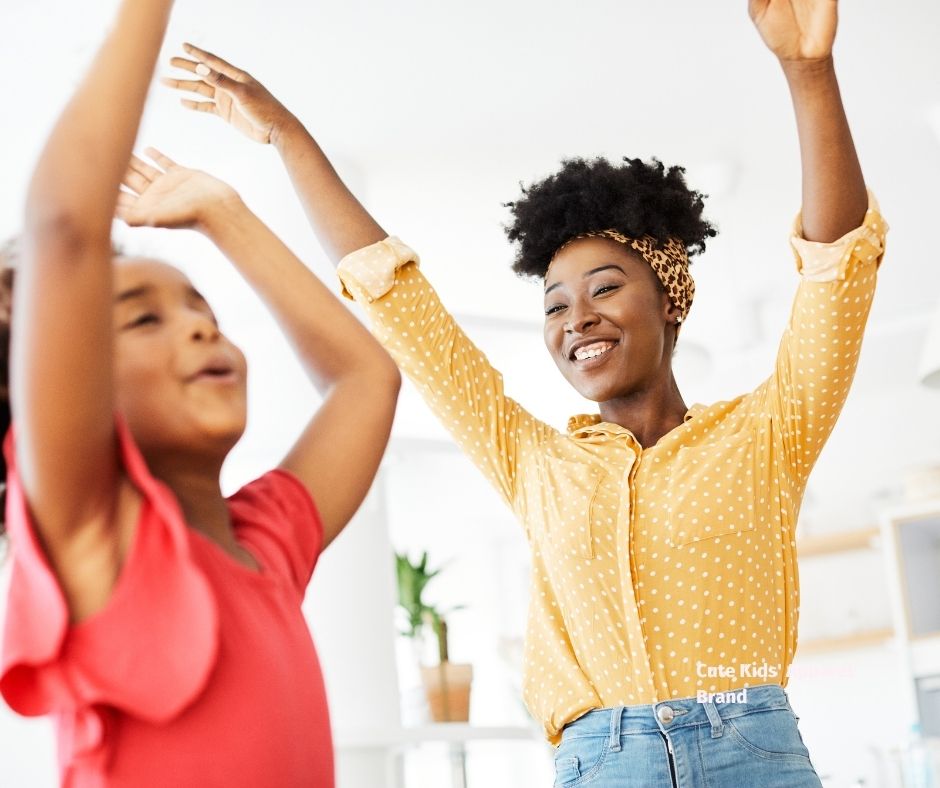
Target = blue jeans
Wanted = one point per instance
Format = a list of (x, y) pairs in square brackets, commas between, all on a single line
[(684, 743)]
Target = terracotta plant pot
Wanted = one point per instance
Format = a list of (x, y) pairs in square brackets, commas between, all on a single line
[(447, 687)]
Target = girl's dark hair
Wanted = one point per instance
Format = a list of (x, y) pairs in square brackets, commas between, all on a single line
[(7, 267), (635, 198)]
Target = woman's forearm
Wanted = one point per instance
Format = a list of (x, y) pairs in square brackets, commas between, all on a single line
[(332, 343), (338, 218), (834, 194)]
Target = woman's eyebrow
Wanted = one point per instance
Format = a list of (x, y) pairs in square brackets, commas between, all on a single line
[(589, 273)]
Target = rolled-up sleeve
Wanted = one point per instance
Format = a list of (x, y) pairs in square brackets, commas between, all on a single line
[(453, 376), (819, 351)]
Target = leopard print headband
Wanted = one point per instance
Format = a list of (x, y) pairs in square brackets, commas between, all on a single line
[(670, 263)]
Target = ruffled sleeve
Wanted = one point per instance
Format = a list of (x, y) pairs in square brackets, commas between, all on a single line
[(148, 652)]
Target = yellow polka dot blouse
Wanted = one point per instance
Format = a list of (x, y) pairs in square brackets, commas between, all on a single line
[(656, 571)]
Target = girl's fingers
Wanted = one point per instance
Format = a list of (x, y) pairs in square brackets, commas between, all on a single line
[(160, 158), (125, 200), (134, 180), (200, 106), (140, 166), (215, 62), (192, 85)]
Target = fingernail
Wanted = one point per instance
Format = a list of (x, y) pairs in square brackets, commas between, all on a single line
[(203, 70)]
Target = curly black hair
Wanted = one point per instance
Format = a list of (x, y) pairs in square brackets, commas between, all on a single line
[(636, 198)]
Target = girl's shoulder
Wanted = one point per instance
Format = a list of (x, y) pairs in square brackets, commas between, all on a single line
[(276, 518)]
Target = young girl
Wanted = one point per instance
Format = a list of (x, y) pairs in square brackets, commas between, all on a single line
[(664, 601), (157, 620)]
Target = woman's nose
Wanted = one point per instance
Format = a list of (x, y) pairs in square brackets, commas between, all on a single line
[(580, 318)]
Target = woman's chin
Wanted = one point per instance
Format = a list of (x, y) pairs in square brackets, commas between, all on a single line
[(594, 393)]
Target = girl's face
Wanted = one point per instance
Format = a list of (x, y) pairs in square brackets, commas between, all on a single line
[(606, 319), (180, 383)]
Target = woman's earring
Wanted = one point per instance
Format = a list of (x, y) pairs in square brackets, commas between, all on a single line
[(679, 320)]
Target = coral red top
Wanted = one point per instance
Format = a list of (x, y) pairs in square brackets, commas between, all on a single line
[(199, 671)]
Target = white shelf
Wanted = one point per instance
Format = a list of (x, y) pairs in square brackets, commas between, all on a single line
[(451, 732)]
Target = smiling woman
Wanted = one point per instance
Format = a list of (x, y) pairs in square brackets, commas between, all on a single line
[(662, 535)]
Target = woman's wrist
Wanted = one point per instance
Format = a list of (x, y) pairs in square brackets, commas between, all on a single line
[(801, 73), (287, 131)]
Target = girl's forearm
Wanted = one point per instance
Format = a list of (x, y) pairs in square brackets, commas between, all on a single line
[(834, 194), (338, 218), (332, 343), (62, 336), (75, 184)]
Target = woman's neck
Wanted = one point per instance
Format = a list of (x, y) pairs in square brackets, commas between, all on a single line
[(648, 414)]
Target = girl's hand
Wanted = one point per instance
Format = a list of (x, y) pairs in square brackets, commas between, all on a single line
[(174, 196), (796, 30), (235, 96)]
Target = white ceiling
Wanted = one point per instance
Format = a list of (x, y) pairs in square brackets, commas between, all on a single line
[(435, 111)]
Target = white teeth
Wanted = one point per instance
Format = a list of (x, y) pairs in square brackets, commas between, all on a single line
[(592, 351)]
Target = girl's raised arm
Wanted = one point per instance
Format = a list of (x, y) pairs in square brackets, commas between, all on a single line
[(62, 393), (339, 451)]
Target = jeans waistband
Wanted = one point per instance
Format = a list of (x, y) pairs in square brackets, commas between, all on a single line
[(676, 713)]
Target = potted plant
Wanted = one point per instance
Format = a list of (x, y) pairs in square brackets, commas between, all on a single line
[(446, 684)]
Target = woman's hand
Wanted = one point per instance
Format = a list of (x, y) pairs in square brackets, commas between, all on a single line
[(174, 196), (796, 30), (234, 95)]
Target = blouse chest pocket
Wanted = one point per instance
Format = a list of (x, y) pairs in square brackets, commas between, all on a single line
[(712, 489), (568, 499)]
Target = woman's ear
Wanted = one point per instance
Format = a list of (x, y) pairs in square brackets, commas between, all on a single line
[(671, 312)]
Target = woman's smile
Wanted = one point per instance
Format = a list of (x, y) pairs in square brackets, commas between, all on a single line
[(592, 354)]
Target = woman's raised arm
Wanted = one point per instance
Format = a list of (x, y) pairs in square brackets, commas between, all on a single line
[(801, 34), (838, 240), (452, 375), (341, 223)]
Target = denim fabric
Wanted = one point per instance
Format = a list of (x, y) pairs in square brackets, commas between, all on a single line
[(683, 743)]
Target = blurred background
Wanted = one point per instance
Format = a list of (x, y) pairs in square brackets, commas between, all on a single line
[(434, 112)]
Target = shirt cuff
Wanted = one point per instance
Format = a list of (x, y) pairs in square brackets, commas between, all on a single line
[(370, 272), (826, 262)]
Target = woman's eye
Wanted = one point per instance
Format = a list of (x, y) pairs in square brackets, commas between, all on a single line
[(553, 309), (605, 289)]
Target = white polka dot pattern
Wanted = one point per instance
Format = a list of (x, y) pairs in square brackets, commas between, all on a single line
[(649, 564)]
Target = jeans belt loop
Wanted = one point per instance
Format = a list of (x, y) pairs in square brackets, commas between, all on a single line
[(615, 718), (714, 718)]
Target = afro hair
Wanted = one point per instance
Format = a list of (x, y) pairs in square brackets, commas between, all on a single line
[(636, 198)]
